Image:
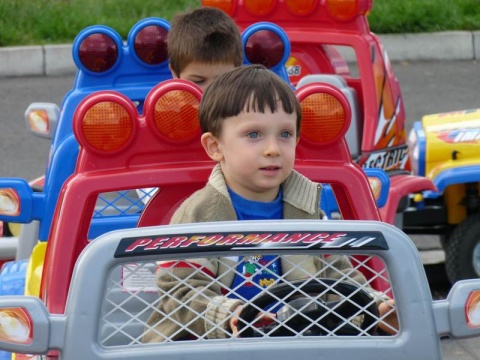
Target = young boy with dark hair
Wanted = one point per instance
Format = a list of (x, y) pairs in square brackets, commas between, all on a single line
[(203, 44), (250, 119)]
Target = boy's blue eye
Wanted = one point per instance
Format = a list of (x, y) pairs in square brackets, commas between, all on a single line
[(253, 134), (285, 134)]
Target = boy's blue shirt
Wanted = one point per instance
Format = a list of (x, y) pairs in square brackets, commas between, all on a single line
[(262, 270)]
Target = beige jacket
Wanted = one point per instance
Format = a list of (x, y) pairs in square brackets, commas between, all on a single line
[(212, 203)]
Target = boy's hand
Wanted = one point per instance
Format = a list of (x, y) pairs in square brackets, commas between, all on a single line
[(266, 318), (389, 323)]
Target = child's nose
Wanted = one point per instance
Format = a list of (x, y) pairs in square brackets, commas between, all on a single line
[(272, 148)]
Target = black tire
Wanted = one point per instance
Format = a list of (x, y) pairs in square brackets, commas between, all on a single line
[(460, 248)]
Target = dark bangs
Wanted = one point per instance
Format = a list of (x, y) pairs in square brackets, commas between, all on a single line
[(247, 88)]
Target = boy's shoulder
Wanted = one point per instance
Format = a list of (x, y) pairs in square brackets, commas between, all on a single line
[(204, 205)]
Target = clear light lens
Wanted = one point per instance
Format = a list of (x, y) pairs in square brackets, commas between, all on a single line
[(38, 121), (376, 185), (9, 202), (472, 309), (15, 326)]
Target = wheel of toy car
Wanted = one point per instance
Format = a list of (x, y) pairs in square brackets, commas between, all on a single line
[(462, 251), (301, 313)]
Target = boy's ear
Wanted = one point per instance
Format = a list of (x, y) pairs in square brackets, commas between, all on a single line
[(212, 147)]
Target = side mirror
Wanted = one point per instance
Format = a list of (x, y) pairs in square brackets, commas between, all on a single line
[(41, 119)]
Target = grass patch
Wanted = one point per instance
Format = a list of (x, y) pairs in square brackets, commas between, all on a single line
[(39, 22), (414, 16)]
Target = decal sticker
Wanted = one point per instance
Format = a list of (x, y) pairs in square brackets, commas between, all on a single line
[(296, 69), (178, 243), (456, 136), (392, 159), (136, 278)]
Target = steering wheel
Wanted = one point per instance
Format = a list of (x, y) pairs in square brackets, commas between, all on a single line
[(317, 317)]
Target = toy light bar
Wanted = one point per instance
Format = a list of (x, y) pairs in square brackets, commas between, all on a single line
[(340, 10), (107, 122), (267, 44), (98, 49)]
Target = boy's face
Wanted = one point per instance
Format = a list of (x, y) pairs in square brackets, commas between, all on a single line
[(256, 152), (203, 74)]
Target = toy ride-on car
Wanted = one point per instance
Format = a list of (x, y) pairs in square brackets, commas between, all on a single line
[(446, 149)]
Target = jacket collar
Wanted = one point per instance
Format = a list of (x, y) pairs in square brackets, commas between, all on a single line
[(298, 190)]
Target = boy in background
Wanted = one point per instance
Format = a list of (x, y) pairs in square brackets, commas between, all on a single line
[(202, 45), (250, 119)]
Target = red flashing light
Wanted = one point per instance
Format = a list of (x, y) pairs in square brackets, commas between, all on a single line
[(98, 52), (151, 44), (301, 7), (264, 47), (225, 5), (260, 7), (107, 126)]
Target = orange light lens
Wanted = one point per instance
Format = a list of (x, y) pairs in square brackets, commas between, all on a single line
[(225, 5), (260, 7), (323, 118), (107, 126), (472, 309), (342, 9), (176, 115), (15, 326), (301, 7), (9, 202), (38, 121)]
